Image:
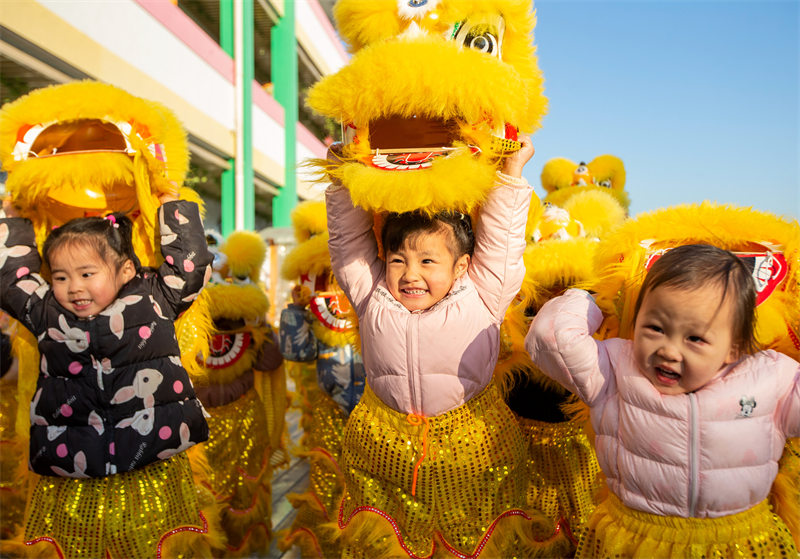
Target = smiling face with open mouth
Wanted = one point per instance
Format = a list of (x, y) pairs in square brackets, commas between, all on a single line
[(422, 271), (683, 338)]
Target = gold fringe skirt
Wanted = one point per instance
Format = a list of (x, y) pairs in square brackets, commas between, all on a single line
[(141, 513), (563, 473), (618, 531), (238, 451), (320, 503), (449, 485)]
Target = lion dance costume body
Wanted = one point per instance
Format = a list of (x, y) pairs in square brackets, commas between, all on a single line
[(434, 96), (323, 334), (770, 246), (84, 149), (584, 202), (245, 394)]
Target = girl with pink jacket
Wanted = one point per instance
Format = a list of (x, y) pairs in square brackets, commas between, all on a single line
[(432, 457), (690, 422)]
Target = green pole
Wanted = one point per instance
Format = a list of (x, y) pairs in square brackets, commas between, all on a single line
[(284, 79), (248, 60), (228, 181)]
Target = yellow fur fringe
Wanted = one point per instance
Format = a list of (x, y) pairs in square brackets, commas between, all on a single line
[(309, 257), (597, 209), (458, 182), (785, 494), (309, 218)]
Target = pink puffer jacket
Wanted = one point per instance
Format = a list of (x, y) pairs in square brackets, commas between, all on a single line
[(435, 360), (710, 453)]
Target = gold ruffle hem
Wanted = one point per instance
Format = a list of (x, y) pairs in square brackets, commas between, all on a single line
[(615, 530)]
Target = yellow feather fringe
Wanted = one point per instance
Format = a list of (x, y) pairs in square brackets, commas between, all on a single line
[(458, 182)]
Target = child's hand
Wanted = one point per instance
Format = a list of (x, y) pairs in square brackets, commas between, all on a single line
[(335, 152), (334, 157), (513, 164), (9, 209), (168, 197), (301, 295)]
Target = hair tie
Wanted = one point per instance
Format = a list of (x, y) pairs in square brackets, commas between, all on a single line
[(113, 221)]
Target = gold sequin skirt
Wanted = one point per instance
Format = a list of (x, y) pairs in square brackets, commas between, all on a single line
[(320, 503), (14, 475), (238, 450), (617, 531), (132, 514), (563, 472), (449, 485)]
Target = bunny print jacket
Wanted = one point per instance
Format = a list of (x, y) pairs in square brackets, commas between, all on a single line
[(112, 395), (706, 454)]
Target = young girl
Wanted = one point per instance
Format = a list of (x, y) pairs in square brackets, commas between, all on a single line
[(690, 421), (113, 409), (432, 456)]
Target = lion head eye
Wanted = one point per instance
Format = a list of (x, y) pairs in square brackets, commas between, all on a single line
[(483, 36), (484, 42)]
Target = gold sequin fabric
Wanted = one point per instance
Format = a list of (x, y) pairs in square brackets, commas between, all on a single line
[(130, 514), (13, 473), (563, 472), (470, 475), (238, 450), (320, 504), (616, 531), (304, 376)]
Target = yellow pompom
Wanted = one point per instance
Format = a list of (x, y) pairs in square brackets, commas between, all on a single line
[(245, 252)]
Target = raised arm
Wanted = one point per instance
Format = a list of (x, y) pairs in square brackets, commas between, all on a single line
[(561, 345), (352, 244), (497, 268), (790, 410), (187, 260), (22, 289)]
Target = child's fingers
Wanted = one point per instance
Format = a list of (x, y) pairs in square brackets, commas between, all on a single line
[(335, 152)]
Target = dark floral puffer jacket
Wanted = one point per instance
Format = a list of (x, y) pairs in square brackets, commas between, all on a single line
[(112, 395)]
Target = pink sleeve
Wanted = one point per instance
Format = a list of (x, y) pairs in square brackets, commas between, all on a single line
[(561, 345), (353, 248), (497, 268), (790, 409)]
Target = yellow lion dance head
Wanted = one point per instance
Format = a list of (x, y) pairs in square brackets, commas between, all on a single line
[(89, 148), (434, 95)]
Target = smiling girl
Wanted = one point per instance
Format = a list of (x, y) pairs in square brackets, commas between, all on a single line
[(690, 420), (432, 456), (114, 410)]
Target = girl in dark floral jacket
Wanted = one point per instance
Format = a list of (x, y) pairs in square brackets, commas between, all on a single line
[(113, 405)]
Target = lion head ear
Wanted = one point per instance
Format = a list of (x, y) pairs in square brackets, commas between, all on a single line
[(608, 168), (557, 173)]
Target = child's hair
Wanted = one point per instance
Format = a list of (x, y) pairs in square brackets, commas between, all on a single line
[(109, 236), (401, 226), (692, 266)]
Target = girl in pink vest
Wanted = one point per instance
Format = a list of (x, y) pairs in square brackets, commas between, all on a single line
[(690, 421), (432, 457)]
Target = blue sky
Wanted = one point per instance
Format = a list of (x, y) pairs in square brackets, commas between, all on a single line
[(698, 98)]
